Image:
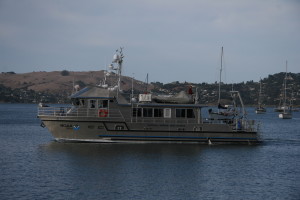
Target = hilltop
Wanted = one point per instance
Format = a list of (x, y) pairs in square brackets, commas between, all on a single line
[(56, 86), (58, 81)]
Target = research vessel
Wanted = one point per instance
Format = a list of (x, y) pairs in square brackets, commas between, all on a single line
[(103, 113)]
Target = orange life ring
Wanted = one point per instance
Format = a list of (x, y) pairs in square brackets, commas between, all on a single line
[(103, 113)]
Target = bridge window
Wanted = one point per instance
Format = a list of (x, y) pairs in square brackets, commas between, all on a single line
[(158, 112), (102, 103), (147, 112), (82, 102), (92, 103), (136, 112), (190, 113), (180, 113), (185, 113)]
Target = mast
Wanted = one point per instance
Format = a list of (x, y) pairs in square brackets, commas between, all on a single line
[(118, 59), (147, 84), (132, 87), (284, 103), (259, 95), (220, 76)]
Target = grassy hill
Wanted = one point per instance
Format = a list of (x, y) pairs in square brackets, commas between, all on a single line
[(60, 81), (56, 86)]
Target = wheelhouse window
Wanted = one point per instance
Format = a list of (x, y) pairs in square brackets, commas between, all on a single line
[(82, 102), (92, 103), (158, 112), (180, 113), (185, 113), (136, 112), (102, 103), (190, 113), (75, 102), (147, 112), (78, 102)]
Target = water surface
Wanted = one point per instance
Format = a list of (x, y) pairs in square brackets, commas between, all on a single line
[(33, 166)]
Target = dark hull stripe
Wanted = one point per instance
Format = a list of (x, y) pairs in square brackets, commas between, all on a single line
[(178, 137)]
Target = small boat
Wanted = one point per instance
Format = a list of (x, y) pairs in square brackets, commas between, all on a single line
[(286, 115), (260, 109), (287, 111), (108, 114), (43, 105)]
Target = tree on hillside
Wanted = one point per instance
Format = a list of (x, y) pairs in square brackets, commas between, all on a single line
[(65, 73)]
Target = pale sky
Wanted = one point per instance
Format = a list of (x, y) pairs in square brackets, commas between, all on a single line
[(171, 40)]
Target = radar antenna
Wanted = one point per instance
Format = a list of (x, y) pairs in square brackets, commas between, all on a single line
[(118, 59)]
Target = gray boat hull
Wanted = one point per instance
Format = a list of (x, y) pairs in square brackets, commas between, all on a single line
[(71, 130)]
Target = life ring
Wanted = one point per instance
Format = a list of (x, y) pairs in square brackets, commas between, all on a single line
[(103, 113)]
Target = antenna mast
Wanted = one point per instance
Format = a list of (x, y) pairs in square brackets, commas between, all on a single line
[(220, 76), (118, 59)]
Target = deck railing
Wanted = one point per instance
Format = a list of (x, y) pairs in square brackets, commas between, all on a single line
[(79, 112), (237, 124)]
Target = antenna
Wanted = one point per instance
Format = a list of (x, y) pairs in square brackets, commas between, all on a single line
[(220, 76), (118, 59), (146, 84)]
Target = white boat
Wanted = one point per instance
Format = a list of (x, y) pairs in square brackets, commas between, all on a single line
[(287, 111), (286, 115)]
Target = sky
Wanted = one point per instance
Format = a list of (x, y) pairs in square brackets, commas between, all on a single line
[(170, 40)]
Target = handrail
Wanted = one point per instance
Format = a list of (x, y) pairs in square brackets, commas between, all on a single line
[(237, 124), (78, 112)]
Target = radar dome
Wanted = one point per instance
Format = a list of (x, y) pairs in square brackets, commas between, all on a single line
[(115, 58), (76, 87)]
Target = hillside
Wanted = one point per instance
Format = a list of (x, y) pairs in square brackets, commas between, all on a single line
[(56, 86), (53, 87), (58, 81)]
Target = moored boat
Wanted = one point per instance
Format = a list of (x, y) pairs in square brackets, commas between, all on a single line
[(287, 111), (107, 114), (260, 109)]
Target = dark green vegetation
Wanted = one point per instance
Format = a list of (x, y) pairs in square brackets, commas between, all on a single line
[(271, 88), (23, 95)]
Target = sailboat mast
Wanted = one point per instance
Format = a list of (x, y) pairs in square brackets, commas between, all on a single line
[(220, 76), (259, 95), (284, 103)]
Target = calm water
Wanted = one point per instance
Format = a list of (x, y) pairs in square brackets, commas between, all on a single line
[(33, 166)]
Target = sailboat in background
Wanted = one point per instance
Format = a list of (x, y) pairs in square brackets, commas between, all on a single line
[(223, 112), (260, 109), (287, 111)]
